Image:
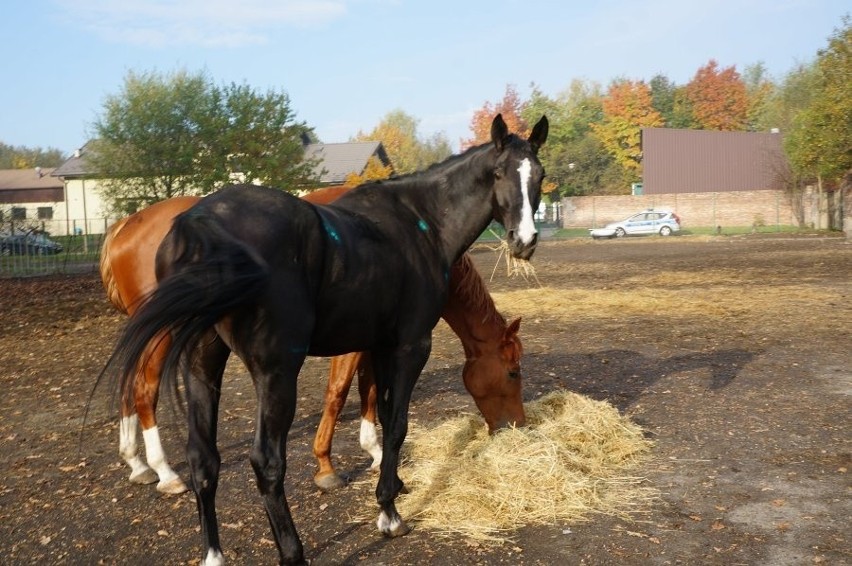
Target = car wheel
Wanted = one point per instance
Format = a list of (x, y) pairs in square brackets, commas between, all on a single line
[(665, 231), (620, 233)]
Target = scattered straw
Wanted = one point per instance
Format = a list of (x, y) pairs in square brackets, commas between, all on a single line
[(569, 462)]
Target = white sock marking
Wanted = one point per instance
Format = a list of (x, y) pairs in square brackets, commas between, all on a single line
[(370, 442), (526, 229), (127, 436), (127, 446), (156, 456), (386, 524), (213, 558)]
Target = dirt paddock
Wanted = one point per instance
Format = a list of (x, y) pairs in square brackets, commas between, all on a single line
[(733, 353)]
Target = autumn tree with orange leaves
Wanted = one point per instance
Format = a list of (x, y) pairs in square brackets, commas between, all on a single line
[(510, 107), (627, 108), (375, 170), (719, 99)]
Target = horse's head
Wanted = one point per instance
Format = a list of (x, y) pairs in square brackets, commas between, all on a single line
[(494, 381), (518, 175)]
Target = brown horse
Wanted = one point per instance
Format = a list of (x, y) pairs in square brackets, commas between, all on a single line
[(492, 350)]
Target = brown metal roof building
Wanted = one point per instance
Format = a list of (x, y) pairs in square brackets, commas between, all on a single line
[(704, 161)]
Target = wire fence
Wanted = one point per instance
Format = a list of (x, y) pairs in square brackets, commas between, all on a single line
[(34, 252), (27, 255)]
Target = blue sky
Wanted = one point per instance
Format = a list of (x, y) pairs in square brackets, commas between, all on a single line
[(346, 63)]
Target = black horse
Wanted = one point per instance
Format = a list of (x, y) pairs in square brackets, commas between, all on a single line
[(273, 278)]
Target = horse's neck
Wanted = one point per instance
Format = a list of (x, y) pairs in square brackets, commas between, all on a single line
[(462, 202), (470, 311)]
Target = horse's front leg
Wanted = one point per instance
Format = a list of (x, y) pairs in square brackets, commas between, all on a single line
[(275, 384), (203, 388), (396, 373)]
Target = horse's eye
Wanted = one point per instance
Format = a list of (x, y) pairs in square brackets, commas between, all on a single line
[(498, 174), (514, 374)]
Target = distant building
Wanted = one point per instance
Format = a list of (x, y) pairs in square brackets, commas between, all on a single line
[(29, 197), (703, 161), (338, 160), (709, 178)]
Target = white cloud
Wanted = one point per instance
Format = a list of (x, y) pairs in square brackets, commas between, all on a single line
[(205, 23)]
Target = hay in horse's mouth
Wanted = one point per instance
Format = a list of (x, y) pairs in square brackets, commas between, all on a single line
[(572, 460), (514, 267)]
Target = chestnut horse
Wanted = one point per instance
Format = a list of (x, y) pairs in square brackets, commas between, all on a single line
[(492, 350)]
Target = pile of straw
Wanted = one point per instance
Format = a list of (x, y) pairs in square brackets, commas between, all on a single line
[(571, 460)]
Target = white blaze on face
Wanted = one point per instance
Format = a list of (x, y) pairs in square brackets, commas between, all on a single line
[(526, 229)]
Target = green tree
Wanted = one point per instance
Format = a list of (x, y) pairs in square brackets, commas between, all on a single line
[(165, 136), (820, 142), (663, 97), (793, 94), (407, 152), (574, 159), (760, 91), (260, 139), (28, 158)]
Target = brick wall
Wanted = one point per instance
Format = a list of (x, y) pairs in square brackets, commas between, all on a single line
[(727, 209)]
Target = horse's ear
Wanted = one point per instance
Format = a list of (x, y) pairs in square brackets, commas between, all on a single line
[(539, 134), (499, 131), (512, 329)]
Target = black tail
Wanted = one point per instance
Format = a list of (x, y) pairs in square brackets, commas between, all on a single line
[(210, 275)]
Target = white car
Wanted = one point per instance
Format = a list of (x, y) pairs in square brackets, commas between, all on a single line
[(652, 221)]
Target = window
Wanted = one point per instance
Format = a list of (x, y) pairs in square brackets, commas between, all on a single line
[(45, 213), (19, 213)]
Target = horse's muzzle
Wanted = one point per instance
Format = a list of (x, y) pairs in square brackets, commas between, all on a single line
[(507, 422), (520, 249)]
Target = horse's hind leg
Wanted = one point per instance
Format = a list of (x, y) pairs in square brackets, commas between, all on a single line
[(147, 392), (140, 472), (203, 388), (396, 373), (340, 377), (369, 436), (275, 383)]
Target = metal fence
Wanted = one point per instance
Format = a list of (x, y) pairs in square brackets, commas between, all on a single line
[(25, 257), (32, 252)]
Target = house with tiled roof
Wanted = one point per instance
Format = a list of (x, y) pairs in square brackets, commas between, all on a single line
[(30, 197), (337, 160), (66, 200)]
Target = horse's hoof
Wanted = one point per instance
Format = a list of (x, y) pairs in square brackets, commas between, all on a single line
[(329, 482), (172, 487), (144, 477), (392, 528)]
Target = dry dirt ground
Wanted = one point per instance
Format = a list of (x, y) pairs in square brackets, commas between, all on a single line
[(733, 353)]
